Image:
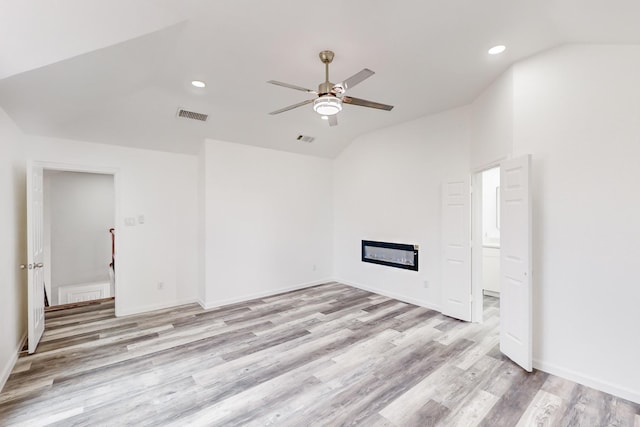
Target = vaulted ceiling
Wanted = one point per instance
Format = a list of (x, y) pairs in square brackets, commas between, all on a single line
[(117, 71)]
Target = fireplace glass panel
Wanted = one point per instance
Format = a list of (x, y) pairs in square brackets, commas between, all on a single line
[(391, 254)]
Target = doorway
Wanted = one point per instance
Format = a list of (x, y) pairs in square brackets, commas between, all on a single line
[(462, 243), (79, 213), (36, 294), (501, 246), (487, 237)]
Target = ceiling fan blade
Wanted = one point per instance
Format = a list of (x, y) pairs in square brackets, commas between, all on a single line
[(364, 103), (356, 78), (291, 107), (290, 86), (333, 120)]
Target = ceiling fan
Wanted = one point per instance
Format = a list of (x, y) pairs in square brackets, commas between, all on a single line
[(330, 96)]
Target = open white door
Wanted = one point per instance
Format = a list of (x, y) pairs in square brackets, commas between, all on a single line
[(515, 261), (35, 255), (456, 235)]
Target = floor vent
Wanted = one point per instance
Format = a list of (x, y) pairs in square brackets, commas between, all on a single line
[(192, 115), (305, 138)]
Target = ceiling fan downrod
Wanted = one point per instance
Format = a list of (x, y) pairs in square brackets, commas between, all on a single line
[(326, 56)]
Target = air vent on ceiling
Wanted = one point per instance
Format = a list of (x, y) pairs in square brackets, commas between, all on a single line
[(305, 138), (192, 115)]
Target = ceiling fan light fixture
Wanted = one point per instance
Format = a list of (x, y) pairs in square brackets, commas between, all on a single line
[(327, 105)]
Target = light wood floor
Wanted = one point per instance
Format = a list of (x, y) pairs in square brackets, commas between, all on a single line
[(330, 355)]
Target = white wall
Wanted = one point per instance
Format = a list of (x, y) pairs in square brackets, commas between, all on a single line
[(492, 123), (163, 188), (81, 209), (577, 110), (13, 251), (387, 187), (267, 221)]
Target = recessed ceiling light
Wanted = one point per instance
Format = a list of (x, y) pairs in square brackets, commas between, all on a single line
[(198, 83), (497, 49), (324, 117)]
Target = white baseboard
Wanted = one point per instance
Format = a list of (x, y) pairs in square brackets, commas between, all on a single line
[(218, 303), (8, 367), (587, 380), (143, 309), (399, 297)]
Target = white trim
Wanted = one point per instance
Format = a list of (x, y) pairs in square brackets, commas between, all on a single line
[(153, 307), (477, 312), (490, 165), (587, 380), (212, 304), (11, 363), (399, 297), (73, 167)]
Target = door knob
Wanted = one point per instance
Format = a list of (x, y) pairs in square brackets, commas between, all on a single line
[(23, 266), (38, 265)]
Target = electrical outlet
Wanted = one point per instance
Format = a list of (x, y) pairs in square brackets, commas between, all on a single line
[(314, 267), (160, 286), (426, 284)]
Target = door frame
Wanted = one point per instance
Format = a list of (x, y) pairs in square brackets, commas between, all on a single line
[(86, 168), (477, 314)]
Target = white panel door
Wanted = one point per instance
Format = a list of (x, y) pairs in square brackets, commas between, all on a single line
[(515, 259), (456, 235), (35, 255)]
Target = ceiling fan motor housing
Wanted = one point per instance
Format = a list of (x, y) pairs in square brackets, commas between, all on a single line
[(325, 88)]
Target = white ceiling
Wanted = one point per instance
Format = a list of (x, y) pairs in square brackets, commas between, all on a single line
[(116, 72)]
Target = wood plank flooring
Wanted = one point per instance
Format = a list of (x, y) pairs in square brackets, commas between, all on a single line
[(329, 355)]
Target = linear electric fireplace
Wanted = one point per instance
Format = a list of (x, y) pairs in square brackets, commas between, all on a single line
[(397, 255)]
